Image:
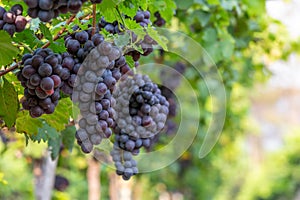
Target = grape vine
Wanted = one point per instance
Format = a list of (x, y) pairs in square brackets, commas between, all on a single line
[(93, 72)]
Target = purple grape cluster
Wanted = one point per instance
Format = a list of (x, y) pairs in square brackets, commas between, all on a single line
[(170, 83), (97, 78), (130, 143), (125, 165), (141, 110), (12, 21), (113, 28), (69, 68), (143, 18), (147, 46), (41, 77), (80, 43), (159, 22), (46, 10)]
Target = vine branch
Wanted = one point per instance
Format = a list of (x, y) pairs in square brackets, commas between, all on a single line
[(2, 73), (94, 18)]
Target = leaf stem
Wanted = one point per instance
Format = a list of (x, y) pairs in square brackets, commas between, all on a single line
[(119, 13)]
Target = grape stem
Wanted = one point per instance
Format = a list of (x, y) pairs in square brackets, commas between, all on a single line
[(94, 19), (119, 13)]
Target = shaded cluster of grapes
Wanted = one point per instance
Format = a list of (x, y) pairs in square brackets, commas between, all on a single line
[(69, 68), (80, 43), (171, 81), (147, 46), (130, 143), (113, 28), (3, 137), (141, 110), (159, 22), (143, 18), (97, 78), (125, 165), (61, 183), (46, 10), (12, 21), (41, 77)]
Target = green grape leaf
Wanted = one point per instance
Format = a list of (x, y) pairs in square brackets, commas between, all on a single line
[(122, 40), (46, 32), (68, 137), (107, 9), (202, 16), (130, 61), (183, 5), (54, 146), (58, 46), (27, 124), (8, 51), (210, 35), (213, 2), (128, 10), (166, 8), (132, 24), (9, 104), (28, 37), (44, 133), (227, 47), (161, 40), (61, 115)]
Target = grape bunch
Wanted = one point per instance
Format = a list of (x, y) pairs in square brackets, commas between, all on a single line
[(143, 18), (125, 165), (159, 22), (46, 10), (130, 143), (113, 28), (80, 43), (12, 21), (171, 81), (41, 77), (96, 81), (69, 68), (141, 110), (147, 46), (61, 183)]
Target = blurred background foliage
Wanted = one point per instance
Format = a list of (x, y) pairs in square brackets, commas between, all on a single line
[(243, 40)]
